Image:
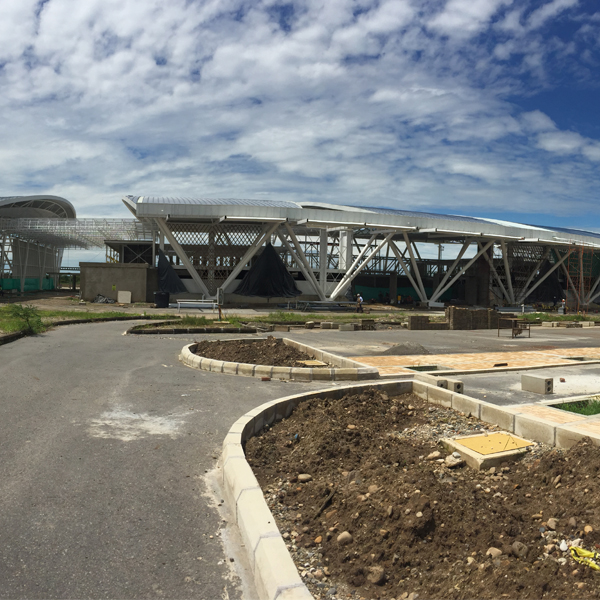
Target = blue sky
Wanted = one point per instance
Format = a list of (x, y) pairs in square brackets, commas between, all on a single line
[(479, 107)]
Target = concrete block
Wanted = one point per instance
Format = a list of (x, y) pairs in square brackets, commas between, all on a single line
[(245, 369), (254, 520), (194, 362), (534, 428), (345, 375), (466, 404), (481, 462), (275, 572), (367, 373), (302, 374), (295, 593), (322, 374), (216, 366), (347, 327), (497, 415), (205, 363), (230, 367), (309, 325), (537, 384), (587, 323), (233, 452), (282, 328), (123, 297), (420, 389), (432, 380), (262, 371), (335, 325), (281, 372), (548, 324), (569, 435), (238, 476), (441, 396), (326, 324), (455, 385)]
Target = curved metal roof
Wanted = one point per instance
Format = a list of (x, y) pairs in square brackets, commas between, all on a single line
[(36, 207), (424, 225)]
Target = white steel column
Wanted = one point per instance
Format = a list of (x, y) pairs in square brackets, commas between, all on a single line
[(302, 258), (550, 271), (347, 279), (162, 225), (507, 271), (300, 261), (252, 250), (345, 249), (406, 270), (323, 260), (415, 267), (588, 298), (24, 267), (576, 292), (523, 293), (438, 292), (449, 272), (495, 273), (348, 273)]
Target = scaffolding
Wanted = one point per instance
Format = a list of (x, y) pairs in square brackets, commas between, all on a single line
[(582, 271), (76, 233)]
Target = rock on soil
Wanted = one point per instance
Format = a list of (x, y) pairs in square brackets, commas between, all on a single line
[(462, 513), (269, 352)]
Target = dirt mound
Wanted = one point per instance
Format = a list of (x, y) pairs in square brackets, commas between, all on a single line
[(416, 525), (270, 352), (405, 349)]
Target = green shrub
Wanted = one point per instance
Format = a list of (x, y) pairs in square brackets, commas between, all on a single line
[(28, 317)]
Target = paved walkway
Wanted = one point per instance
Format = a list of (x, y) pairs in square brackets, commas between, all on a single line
[(397, 365), (104, 445)]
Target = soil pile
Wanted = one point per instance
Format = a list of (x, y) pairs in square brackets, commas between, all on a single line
[(370, 507), (270, 352)]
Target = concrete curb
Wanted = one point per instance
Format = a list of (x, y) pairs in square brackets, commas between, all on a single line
[(275, 573), (348, 370), (179, 330), (274, 570)]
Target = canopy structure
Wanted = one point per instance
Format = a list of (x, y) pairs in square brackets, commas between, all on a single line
[(35, 230), (329, 248)]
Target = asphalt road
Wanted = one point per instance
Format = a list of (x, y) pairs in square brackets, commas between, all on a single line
[(104, 444)]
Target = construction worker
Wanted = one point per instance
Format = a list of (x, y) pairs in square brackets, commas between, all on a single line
[(359, 301)]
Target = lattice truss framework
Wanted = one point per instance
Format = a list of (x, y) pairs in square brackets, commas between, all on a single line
[(76, 233)]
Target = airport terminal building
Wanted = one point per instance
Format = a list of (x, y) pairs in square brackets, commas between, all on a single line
[(269, 250)]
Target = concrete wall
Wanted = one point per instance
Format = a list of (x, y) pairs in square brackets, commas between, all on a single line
[(109, 278)]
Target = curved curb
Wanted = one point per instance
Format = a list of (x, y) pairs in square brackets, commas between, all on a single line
[(356, 372), (175, 330), (275, 573)]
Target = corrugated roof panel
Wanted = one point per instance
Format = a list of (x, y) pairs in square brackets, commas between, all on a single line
[(218, 201)]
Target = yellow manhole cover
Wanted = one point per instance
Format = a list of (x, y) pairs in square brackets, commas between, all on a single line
[(313, 363), (496, 442)]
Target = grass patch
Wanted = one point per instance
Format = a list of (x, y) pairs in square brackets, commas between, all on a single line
[(292, 317), (542, 316), (9, 323), (583, 407)]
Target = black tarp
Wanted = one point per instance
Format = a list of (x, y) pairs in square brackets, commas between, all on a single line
[(268, 278), (168, 280)]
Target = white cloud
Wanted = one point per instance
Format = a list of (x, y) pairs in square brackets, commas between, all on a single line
[(362, 102), (462, 18), (538, 17)]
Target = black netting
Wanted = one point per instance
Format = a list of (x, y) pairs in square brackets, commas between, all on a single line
[(268, 278), (168, 280)]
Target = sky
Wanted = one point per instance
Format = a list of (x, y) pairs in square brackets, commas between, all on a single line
[(479, 107)]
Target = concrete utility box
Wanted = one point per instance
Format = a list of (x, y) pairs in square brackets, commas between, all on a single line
[(537, 384), (123, 297)]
